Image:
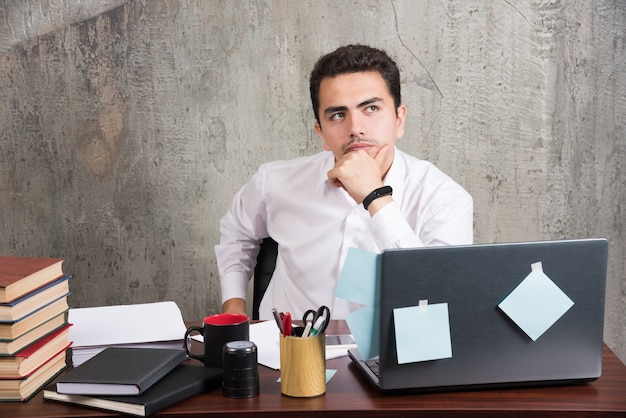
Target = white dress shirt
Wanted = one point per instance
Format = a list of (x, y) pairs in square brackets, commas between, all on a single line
[(315, 223)]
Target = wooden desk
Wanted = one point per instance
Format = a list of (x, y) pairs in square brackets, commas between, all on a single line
[(348, 395)]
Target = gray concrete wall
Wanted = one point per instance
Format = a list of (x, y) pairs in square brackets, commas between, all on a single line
[(126, 126)]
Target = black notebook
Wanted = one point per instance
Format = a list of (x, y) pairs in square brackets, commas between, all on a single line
[(120, 371), (183, 382)]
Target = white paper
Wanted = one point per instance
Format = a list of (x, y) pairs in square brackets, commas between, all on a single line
[(266, 337), (126, 324)]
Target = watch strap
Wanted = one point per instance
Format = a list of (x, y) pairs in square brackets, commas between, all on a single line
[(380, 192)]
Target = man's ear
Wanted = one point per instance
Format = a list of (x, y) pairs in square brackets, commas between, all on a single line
[(400, 118), (318, 130)]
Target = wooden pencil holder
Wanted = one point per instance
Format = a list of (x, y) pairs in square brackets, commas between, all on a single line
[(303, 365)]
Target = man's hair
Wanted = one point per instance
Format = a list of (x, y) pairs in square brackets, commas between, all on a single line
[(354, 59)]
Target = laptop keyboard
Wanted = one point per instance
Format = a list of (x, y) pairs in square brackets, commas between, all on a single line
[(373, 365)]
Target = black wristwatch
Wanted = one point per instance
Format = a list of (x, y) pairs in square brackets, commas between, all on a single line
[(380, 192)]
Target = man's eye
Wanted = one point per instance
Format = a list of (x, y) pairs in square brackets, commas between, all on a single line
[(336, 116), (372, 108)]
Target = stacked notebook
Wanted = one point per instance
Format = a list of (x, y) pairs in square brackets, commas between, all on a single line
[(34, 332), (137, 381)]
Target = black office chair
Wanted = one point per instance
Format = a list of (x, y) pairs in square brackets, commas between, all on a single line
[(265, 265)]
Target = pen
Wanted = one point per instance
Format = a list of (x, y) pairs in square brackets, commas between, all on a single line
[(307, 329), (318, 325), (287, 324), (278, 320)]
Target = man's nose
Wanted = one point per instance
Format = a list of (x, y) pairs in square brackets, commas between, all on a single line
[(356, 125)]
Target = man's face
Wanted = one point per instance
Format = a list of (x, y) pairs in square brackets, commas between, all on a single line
[(357, 112)]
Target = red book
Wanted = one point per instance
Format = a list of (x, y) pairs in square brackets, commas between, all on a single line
[(21, 275), (19, 335), (24, 389), (25, 362)]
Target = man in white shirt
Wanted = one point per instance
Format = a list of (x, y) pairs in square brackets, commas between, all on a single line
[(361, 191)]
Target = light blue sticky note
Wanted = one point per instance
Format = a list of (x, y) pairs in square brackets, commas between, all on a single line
[(536, 303), (422, 333), (359, 282), (364, 325), (358, 277), (329, 375)]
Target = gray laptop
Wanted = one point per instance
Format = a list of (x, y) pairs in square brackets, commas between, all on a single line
[(490, 346)]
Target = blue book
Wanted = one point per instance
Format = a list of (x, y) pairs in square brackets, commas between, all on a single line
[(34, 301)]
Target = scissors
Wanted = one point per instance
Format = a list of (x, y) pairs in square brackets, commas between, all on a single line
[(311, 316)]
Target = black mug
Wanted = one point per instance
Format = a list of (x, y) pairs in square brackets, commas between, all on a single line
[(218, 330)]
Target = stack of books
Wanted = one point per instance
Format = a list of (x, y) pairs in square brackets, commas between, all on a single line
[(34, 332), (135, 381)]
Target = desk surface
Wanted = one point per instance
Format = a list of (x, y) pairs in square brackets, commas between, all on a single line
[(348, 395)]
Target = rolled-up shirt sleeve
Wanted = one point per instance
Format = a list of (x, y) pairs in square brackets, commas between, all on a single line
[(242, 228)]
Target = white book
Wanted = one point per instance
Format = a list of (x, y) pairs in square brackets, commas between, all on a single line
[(158, 324)]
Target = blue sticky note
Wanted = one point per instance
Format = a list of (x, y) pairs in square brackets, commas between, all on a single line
[(364, 325), (359, 276), (359, 282), (536, 303), (329, 375), (422, 333)]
